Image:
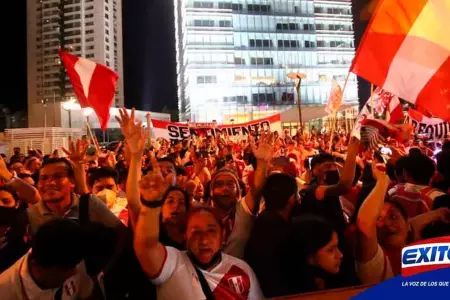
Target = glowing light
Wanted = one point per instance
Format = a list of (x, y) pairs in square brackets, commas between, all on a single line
[(87, 111), (296, 75), (71, 105)]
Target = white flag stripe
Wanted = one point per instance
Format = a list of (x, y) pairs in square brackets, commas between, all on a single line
[(85, 69), (417, 61)]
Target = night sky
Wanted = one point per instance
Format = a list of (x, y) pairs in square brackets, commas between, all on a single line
[(149, 54)]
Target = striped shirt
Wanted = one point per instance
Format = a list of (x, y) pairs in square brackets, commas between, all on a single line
[(416, 199)]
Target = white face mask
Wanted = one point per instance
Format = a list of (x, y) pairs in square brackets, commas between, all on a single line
[(108, 197)]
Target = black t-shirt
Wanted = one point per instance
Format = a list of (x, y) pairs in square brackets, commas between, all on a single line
[(14, 242), (267, 253), (329, 208)]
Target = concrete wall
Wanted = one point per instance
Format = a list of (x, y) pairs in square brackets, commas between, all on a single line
[(54, 115)]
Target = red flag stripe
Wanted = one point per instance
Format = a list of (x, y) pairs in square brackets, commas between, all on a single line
[(437, 90), (405, 51), (93, 83), (384, 36), (69, 62), (102, 88)]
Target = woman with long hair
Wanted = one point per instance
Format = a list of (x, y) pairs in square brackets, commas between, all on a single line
[(318, 258), (175, 207)]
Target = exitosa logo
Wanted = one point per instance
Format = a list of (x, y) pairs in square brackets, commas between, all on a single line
[(427, 255)]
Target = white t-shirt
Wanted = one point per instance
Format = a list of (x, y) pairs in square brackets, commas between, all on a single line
[(79, 286), (231, 279), (377, 270)]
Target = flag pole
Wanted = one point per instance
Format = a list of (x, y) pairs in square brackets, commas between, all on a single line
[(149, 129), (334, 119), (94, 139), (371, 99)]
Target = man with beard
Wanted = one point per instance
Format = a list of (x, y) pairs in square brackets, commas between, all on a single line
[(107, 238), (238, 215), (56, 186)]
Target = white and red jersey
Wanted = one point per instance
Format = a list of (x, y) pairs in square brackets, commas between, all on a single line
[(231, 279), (415, 199), (16, 283)]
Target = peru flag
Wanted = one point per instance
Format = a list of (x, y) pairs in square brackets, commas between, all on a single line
[(395, 111), (406, 51), (93, 83)]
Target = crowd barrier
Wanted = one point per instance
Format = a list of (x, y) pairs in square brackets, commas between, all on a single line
[(337, 294)]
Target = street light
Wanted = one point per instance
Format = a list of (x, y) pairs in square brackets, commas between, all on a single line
[(44, 104), (297, 77), (69, 106)]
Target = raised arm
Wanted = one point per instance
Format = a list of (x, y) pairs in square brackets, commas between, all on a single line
[(136, 138), (367, 217), (263, 154), (347, 176), (149, 251), (77, 155), (27, 192), (418, 223)]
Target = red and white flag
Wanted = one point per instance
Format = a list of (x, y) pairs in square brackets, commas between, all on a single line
[(371, 130), (94, 84), (382, 101), (335, 99), (406, 51), (394, 111)]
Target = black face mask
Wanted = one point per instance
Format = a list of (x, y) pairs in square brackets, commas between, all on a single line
[(215, 259), (332, 177), (7, 215)]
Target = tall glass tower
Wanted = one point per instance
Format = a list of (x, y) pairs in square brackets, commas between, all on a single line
[(233, 55)]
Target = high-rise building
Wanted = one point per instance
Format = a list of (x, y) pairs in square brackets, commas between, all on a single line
[(233, 55), (87, 28)]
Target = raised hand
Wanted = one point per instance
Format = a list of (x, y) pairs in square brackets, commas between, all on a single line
[(377, 172), (137, 138), (125, 120), (5, 174), (153, 185), (117, 148), (111, 160), (135, 135), (443, 214), (265, 148), (77, 151)]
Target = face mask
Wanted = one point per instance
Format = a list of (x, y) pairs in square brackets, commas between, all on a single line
[(215, 259), (108, 197), (332, 177), (7, 215)]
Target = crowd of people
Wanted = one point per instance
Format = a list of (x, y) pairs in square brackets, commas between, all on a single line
[(214, 217)]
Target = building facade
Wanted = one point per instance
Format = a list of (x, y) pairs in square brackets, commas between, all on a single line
[(233, 55), (87, 28)]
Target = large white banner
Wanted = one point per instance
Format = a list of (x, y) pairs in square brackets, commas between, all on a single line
[(180, 131), (433, 127)]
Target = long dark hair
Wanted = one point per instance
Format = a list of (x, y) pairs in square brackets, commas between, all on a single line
[(213, 211), (187, 203), (309, 234)]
